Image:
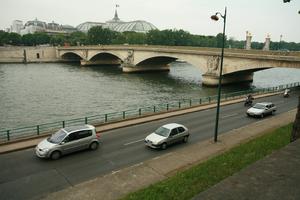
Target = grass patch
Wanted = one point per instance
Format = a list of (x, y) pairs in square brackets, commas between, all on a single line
[(186, 184)]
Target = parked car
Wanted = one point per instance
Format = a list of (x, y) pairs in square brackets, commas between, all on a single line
[(166, 135), (261, 109), (68, 140)]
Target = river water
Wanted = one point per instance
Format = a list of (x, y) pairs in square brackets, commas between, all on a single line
[(32, 94)]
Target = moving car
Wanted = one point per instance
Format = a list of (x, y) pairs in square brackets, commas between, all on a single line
[(68, 140), (166, 135), (261, 109)]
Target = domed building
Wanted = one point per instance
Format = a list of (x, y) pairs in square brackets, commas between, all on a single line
[(85, 27), (118, 25), (136, 26)]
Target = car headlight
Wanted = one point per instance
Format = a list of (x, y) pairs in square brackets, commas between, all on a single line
[(45, 150)]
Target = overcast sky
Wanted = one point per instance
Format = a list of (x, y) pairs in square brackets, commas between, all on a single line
[(260, 17)]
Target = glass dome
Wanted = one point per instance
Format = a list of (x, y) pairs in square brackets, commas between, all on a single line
[(85, 27), (136, 26)]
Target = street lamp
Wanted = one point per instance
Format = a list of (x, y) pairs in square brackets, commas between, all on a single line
[(216, 18)]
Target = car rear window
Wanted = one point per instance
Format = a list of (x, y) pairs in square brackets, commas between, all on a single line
[(83, 134)]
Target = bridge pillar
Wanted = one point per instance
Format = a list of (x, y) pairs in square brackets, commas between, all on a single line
[(213, 80), (129, 66), (100, 62), (133, 68)]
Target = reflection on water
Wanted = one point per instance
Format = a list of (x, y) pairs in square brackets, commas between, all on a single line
[(40, 93)]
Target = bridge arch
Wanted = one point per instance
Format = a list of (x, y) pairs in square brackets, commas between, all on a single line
[(71, 56), (151, 58)]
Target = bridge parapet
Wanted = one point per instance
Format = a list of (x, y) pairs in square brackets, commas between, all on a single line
[(239, 64)]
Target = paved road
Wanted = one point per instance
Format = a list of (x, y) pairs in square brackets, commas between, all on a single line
[(23, 176)]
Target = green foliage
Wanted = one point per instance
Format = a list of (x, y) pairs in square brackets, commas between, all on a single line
[(170, 37), (35, 39), (10, 38), (58, 40), (98, 35), (78, 38), (186, 184)]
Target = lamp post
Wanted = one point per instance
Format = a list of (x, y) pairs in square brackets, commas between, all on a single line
[(279, 45), (216, 18)]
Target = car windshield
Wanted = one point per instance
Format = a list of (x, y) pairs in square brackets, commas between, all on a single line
[(162, 131), (259, 106), (57, 137)]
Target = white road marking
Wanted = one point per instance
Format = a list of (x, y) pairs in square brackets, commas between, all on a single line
[(226, 116), (134, 142)]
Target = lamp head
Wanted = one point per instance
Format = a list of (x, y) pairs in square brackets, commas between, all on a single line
[(214, 17)]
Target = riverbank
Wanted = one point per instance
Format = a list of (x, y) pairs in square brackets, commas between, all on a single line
[(25, 54)]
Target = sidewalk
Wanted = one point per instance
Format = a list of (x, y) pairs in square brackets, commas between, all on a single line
[(119, 183)]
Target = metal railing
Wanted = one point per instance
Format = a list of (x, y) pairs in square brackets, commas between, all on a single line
[(44, 129)]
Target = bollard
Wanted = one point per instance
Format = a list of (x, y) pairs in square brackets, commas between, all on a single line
[(86, 120), (200, 101), (140, 112), (8, 136), (105, 118), (167, 107), (190, 102), (208, 99), (63, 124), (154, 109), (179, 104), (123, 114)]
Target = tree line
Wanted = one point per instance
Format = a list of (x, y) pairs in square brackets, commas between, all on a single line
[(98, 35)]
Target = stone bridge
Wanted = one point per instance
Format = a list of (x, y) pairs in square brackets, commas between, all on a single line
[(238, 65)]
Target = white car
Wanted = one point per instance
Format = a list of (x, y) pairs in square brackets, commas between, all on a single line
[(261, 109), (166, 135)]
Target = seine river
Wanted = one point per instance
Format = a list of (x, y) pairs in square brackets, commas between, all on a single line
[(32, 94)]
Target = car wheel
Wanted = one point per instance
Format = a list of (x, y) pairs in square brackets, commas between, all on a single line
[(55, 155), (94, 145), (164, 146), (185, 139), (273, 112)]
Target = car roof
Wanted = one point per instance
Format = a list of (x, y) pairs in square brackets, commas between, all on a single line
[(171, 125), (76, 128), (265, 103)]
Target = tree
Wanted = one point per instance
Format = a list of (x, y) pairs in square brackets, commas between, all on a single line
[(14, 39), (219, 40), (78, 37), (41, 38), (99, 35), (296, 126), (58, 40), (28, 39), (3, 38)]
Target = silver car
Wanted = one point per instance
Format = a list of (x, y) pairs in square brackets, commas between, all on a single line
[(68, 140), (166, 135), (261, 109)]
